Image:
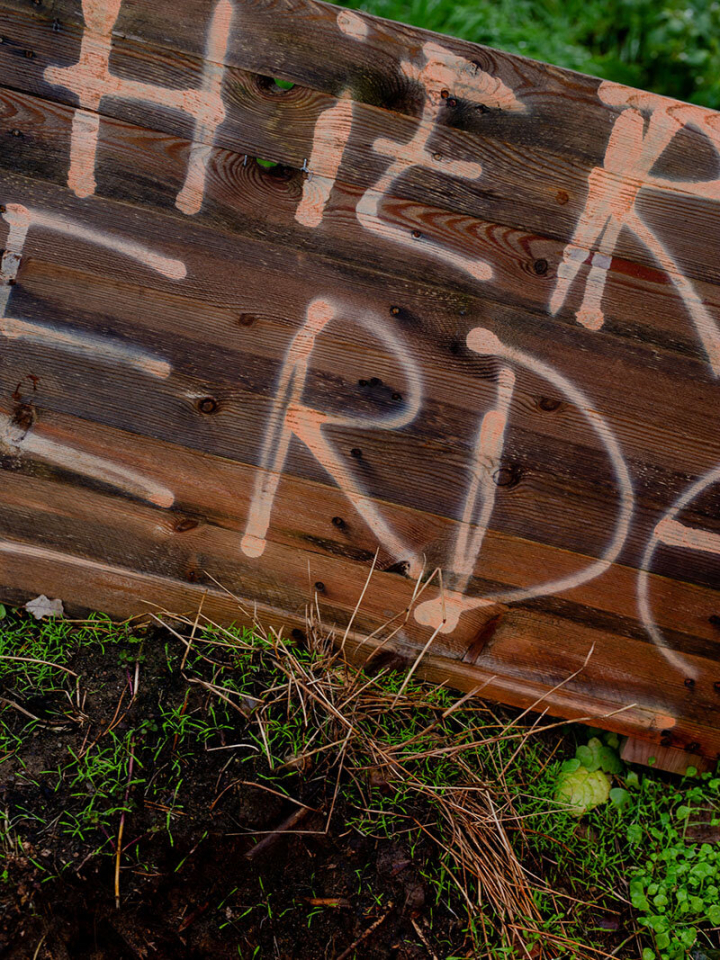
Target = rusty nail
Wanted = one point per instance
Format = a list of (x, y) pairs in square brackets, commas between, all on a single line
[(338, 522), (452, 102), (444, 94), (356, 452), (375, 382), (394, 311), (437, 157), (397, 396), (362, 383), (320, 586), (416, 234), (540, 267), (562, 197), (689, 682)]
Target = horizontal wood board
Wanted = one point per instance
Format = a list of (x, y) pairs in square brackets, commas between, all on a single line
[(464, 335)]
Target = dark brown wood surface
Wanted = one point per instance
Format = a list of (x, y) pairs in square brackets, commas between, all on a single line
[(484, 291)]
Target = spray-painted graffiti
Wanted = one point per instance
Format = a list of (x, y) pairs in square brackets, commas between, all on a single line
[(634, 148), (91, 80), (291, 417), (20, 438), (331, 134), (441, 72), (670, 533), (644, 127), (447, 608)]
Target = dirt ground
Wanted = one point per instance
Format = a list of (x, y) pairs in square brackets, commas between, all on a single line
[(219, 883), (218, 904)]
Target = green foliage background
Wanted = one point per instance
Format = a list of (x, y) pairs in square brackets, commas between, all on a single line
[(668, 46)]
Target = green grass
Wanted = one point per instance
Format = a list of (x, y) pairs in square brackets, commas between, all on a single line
[(671, 47)]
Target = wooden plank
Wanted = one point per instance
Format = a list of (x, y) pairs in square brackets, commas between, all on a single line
[(261, 121), (499, 381), (669, 759), (139, 165), (129, 593), (217, 491), (236, 427)]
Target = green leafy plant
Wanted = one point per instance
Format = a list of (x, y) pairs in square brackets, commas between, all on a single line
[(676, 889), (585, 781)]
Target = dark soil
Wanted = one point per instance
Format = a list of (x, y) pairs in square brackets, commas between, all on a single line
[(204, 888)]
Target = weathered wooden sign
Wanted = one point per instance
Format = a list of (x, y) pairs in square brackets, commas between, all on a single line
[(466, 329)]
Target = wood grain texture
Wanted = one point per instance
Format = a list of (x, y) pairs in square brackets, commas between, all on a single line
[(262, 120), (669, 759), (466, 331)]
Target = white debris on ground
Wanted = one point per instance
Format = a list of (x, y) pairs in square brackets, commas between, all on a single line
[(42, 607)]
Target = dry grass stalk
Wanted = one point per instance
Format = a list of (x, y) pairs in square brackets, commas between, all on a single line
[(343, 709)]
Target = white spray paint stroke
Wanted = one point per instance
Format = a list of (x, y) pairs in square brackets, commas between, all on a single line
[(90, 80), (445, 611), (91, 345), (367, 210), (671, 533), (61, 559), (20, 220), (84, 139), (330, 137), (675, 534), (43, 448), (352, 25), (290, 417), (442, 72), (207, 120), (633, 149)]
